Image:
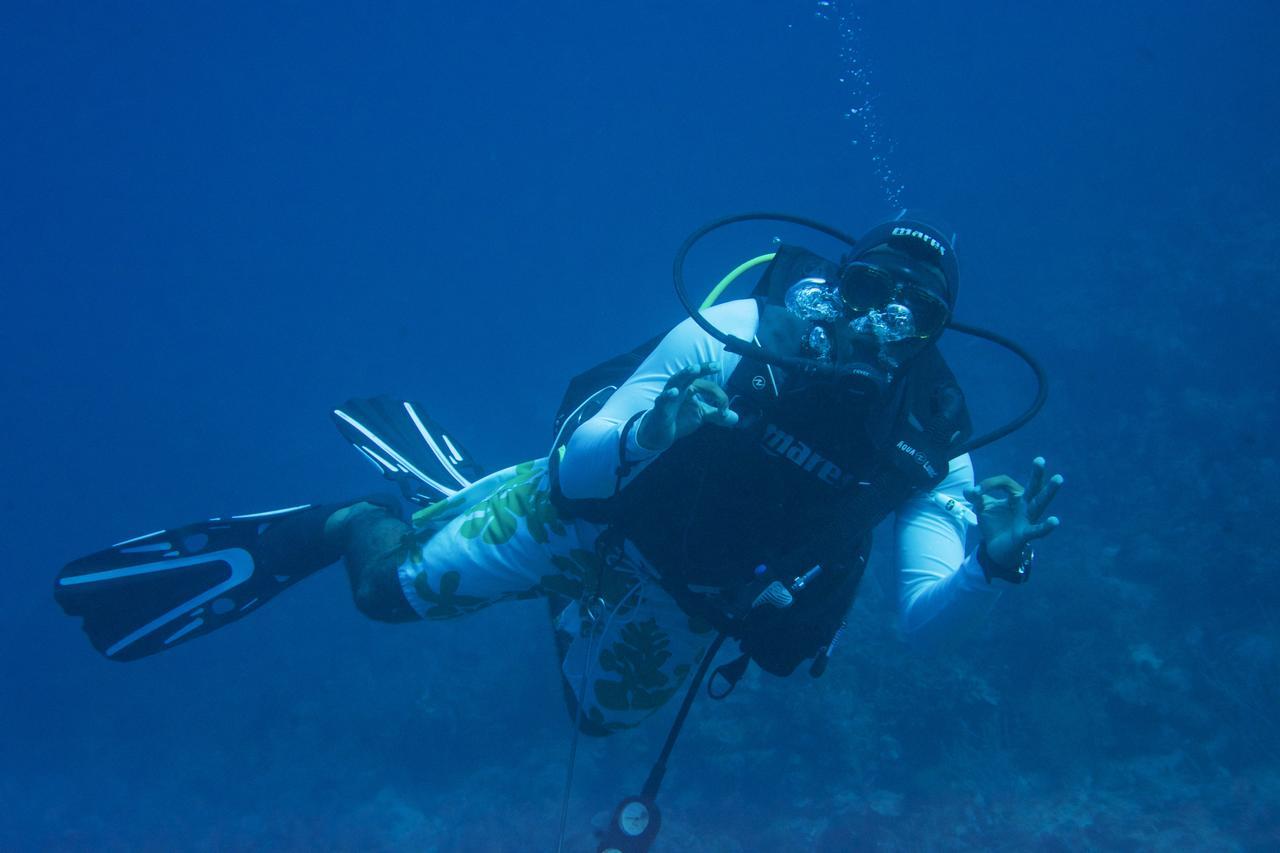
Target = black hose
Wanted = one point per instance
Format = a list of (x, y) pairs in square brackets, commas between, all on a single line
[(659, 770), (1042, 386), (817, 368), (734, 344)]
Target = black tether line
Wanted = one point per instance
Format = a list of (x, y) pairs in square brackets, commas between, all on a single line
[(659, 770)]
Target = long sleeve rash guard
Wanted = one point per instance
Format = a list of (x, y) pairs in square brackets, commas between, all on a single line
[(938, 587)]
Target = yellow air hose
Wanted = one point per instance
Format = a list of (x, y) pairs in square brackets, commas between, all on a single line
[(732, 277)]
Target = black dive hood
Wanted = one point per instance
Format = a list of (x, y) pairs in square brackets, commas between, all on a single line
[(917, 252), (853, 366), (916, 241)]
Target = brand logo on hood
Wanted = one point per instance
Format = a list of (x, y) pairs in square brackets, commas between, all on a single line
[(920, 235)]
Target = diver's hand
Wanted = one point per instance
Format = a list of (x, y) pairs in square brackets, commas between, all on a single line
[(1009, 516), (687, 402)]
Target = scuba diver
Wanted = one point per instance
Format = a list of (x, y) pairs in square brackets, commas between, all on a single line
[(720, 481)]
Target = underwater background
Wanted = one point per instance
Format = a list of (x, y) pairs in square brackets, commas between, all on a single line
[(220, 220)]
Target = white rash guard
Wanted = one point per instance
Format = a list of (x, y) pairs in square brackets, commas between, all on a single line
[(938, 586)]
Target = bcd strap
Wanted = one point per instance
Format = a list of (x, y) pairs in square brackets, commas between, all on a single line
[(731, 673), (625, 466)]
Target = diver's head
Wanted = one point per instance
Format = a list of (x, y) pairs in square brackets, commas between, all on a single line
[(918, 253), (893, 297)]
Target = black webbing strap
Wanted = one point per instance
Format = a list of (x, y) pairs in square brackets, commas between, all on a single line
[(624, 466)]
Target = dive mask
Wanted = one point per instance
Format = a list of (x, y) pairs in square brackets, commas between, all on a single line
[(883, 301), (889, 303)]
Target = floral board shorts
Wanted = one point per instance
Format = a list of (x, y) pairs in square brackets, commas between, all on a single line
[(626, 646)]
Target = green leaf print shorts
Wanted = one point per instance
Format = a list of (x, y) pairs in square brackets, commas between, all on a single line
[(626, 645)]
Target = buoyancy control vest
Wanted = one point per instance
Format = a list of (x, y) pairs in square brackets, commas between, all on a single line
[(763, 529)]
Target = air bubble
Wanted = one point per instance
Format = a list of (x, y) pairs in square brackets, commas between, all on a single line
[(856, 79)]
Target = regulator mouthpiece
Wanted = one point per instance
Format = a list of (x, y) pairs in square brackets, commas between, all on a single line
[(890, 324)]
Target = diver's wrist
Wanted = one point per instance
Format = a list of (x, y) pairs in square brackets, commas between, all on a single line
[(1018, 572)]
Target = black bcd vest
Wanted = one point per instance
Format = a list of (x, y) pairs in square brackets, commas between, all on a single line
[(727, 515)]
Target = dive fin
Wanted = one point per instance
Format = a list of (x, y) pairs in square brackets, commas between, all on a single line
[(408, 447), (149, 594)]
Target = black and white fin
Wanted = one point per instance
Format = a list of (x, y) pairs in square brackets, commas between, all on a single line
[(408, 447), (150, 593)]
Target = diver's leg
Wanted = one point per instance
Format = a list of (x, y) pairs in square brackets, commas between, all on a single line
[(513, 544), (510, 544), (374, 543), (634, 644)]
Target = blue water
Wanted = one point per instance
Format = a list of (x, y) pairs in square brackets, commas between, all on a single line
[(217, 221)]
